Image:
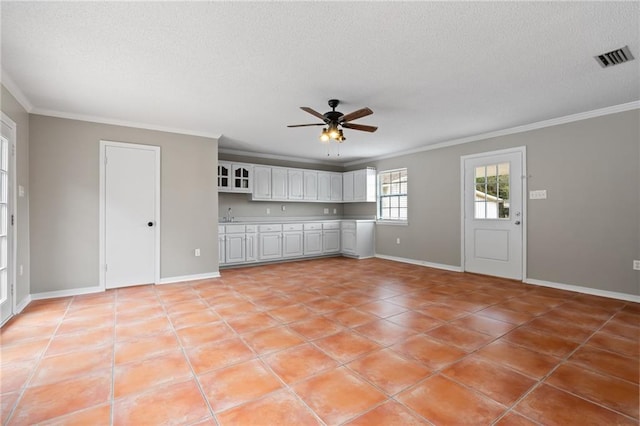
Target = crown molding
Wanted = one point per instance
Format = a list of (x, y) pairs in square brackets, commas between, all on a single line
[(125, 123), (513, 130), (9, 84), (276, 157)]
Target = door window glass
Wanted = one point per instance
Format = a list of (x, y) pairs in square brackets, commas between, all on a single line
[(492, 191)]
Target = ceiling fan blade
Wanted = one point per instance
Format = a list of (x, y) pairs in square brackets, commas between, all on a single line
[(362, 127), (306, 125), (356, 114), (313, 112)]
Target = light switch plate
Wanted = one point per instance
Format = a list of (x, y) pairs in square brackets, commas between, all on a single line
[(539, 194)]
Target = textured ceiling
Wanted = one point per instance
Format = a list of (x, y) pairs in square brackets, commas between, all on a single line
[(431, 72)]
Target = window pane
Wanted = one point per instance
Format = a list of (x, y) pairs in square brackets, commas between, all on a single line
[(392, 194)]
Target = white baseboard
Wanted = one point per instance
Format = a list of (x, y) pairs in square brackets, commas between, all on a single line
[(20, 307), (66, 293), (170, 280), (585, 290), (421, 263)]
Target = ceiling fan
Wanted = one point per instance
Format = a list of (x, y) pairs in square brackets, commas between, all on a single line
[(335, 119)]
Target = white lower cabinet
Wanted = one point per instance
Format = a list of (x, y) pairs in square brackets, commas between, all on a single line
[(312, 239), (251, 246), (241, 244), (292, 236), (235, 248), (358, 238), (330, 237), (221, 245), (269, 242), (349, 240)]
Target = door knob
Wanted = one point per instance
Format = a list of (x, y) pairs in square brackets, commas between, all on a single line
[(150, 224), (517, 222)]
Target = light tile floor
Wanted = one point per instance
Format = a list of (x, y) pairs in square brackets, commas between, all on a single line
[(329, 341)]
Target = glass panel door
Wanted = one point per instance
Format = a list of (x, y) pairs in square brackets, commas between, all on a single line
[(5, 295)]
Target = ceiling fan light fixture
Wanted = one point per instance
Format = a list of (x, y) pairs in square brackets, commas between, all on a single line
[(334, 133), (324, 136)]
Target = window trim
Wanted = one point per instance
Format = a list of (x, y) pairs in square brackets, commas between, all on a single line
[(387, 221)]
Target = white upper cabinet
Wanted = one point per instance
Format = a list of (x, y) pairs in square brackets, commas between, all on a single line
[(336, 187), (324, 186), (295, 188), (224, 176), (279, 180), (235, 177), (241, 177), (364, 185), (310, 178), (261, 183), (359, 186), (347, 186), (288, 184)]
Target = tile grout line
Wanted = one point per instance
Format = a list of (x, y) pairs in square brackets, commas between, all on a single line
[(113, 359), (259, 357), (24, 387), (563, 360), (186, 357)]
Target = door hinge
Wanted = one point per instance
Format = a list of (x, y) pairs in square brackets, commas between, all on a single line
[(12, 220), (105, 159), (105, 267)]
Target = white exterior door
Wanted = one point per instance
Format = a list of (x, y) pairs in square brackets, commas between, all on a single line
[(493, 213), (131, 214), (7, 229)]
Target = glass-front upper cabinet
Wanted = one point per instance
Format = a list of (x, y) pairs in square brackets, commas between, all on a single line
[(224, 176), (235, 177)]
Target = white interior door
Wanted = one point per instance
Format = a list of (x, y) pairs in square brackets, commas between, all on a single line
[(131, 214), (493, 213), (7, 278)]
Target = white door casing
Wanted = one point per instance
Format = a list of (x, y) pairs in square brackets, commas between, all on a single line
[(8, 225), (129, 214), (494, 225)]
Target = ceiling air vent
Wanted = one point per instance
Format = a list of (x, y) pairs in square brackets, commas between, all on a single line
[(614, 57)]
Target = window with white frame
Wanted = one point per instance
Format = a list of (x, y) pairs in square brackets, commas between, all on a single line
[(392, 195)]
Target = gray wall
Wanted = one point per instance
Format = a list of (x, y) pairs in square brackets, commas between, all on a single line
[(586, 233), (64, 175), (242, 206), (19, 115)]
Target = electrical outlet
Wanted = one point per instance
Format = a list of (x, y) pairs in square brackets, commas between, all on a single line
[(540, 194), (284, 208), (326, 211), (398, 240), (197, 252), (335, 211), (636, 265), (268, 210)]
